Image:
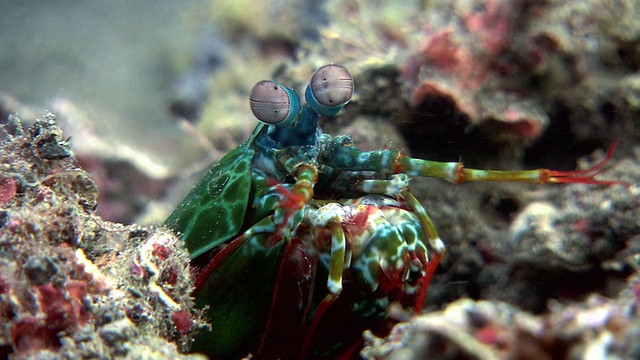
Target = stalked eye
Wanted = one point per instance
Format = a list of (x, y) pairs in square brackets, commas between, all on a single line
[(273, 103), (332, 85), (330, 89)]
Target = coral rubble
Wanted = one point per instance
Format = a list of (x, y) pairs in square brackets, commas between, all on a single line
[(71, 284), (597, 328)]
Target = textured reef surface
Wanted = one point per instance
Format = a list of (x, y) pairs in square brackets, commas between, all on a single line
[(531, 271), (597, 328), (71, 284)]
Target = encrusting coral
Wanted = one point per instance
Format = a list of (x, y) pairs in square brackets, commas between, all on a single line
[(71, 284)]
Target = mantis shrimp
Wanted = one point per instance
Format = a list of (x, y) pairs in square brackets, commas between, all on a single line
[(302, 240)]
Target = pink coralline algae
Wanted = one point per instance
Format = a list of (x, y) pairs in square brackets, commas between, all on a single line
[(475, 63), (183, 321), (7, 189), (64, 313), (514, 65)]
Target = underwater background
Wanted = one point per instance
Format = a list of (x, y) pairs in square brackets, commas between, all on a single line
[(154, 94)]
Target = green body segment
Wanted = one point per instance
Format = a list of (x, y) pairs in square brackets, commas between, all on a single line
[(214, 211), (237, 299)]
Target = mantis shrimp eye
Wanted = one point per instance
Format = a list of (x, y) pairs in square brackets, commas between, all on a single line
[(330, 89), (274, 104)]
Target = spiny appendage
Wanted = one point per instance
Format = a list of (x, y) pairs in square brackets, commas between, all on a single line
[(293, 200), (296, 197), (436, 244), (329, 217), (396, 184), (334, 280), (456, 173), (394, 162)]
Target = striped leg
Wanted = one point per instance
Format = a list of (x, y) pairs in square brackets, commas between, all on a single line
[(434, 242), (394, 162)]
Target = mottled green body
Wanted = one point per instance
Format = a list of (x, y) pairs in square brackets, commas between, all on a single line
[(220, 200)]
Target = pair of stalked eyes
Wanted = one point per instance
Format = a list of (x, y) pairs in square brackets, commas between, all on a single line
[(330, 89)]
